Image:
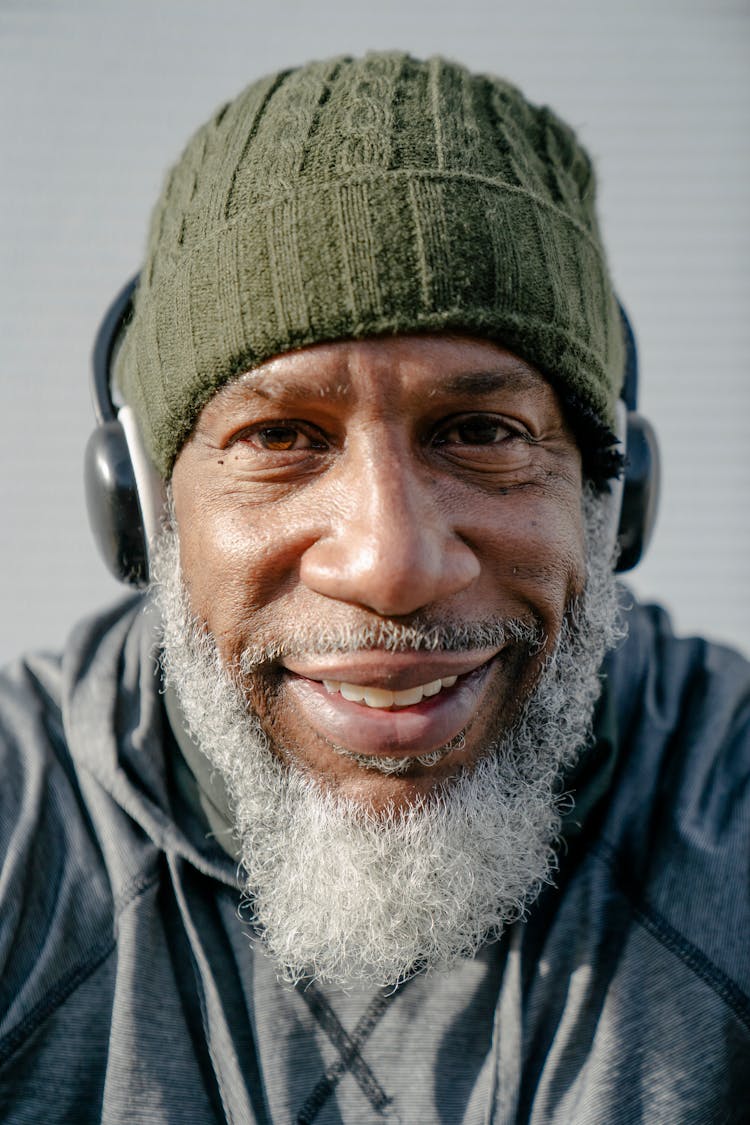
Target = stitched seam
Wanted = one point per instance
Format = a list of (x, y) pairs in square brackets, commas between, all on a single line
[(137, 886), (690, 955), (349, 1055), (348, 1046), (68, 984), (62, 990)]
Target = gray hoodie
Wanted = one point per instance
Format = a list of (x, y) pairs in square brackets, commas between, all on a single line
[(127, 994)]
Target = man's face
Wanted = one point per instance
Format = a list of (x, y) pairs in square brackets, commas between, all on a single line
[(423, 481)]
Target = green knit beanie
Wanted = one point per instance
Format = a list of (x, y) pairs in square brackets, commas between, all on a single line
[(356, 197)]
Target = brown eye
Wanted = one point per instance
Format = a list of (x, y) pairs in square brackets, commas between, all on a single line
[(475, 429), (283, 437), (280, 439), (480, 431)]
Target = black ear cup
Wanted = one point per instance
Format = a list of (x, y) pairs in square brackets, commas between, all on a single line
[(113, 507), (111, 491), (640, 495)]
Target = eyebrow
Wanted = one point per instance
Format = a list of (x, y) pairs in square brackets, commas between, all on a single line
[(515, 377), (282, 387), (269, 385)]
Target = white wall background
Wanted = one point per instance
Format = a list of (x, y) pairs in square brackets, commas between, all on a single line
[(97, 98)]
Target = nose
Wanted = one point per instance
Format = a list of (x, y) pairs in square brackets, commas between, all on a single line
[(390, 545)]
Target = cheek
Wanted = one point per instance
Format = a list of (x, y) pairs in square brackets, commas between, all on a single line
[(237, 560), (535, 551)]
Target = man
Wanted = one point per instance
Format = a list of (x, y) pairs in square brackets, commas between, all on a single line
[(489, 857)]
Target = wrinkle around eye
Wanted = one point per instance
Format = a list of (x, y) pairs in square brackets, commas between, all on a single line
[(513, 459)]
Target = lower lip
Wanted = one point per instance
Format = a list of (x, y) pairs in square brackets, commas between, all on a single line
[(405, 732)]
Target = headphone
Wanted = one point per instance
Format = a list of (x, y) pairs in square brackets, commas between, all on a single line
[(126, 497)]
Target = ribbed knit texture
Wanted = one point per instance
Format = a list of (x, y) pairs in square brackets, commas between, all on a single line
[(350, 198)]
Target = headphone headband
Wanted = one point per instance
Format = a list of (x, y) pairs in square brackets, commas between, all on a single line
[(108, 335)]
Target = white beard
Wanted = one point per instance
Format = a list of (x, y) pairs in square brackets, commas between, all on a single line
[(339, 894)]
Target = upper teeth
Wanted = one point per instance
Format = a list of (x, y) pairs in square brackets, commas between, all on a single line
[(381, 697)]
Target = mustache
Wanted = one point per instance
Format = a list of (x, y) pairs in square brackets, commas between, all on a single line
[(394, 636)]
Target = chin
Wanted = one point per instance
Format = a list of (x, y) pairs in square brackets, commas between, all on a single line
[(379, 784)]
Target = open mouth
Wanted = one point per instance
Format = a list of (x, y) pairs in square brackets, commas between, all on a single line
[(431, 702), (384, 699)]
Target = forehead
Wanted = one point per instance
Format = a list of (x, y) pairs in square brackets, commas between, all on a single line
[(412, 367)]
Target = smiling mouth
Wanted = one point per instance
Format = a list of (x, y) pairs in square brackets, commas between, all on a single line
[(385, 700), (351, 705)]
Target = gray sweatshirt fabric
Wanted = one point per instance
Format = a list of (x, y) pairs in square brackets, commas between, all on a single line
[(130, 993)]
